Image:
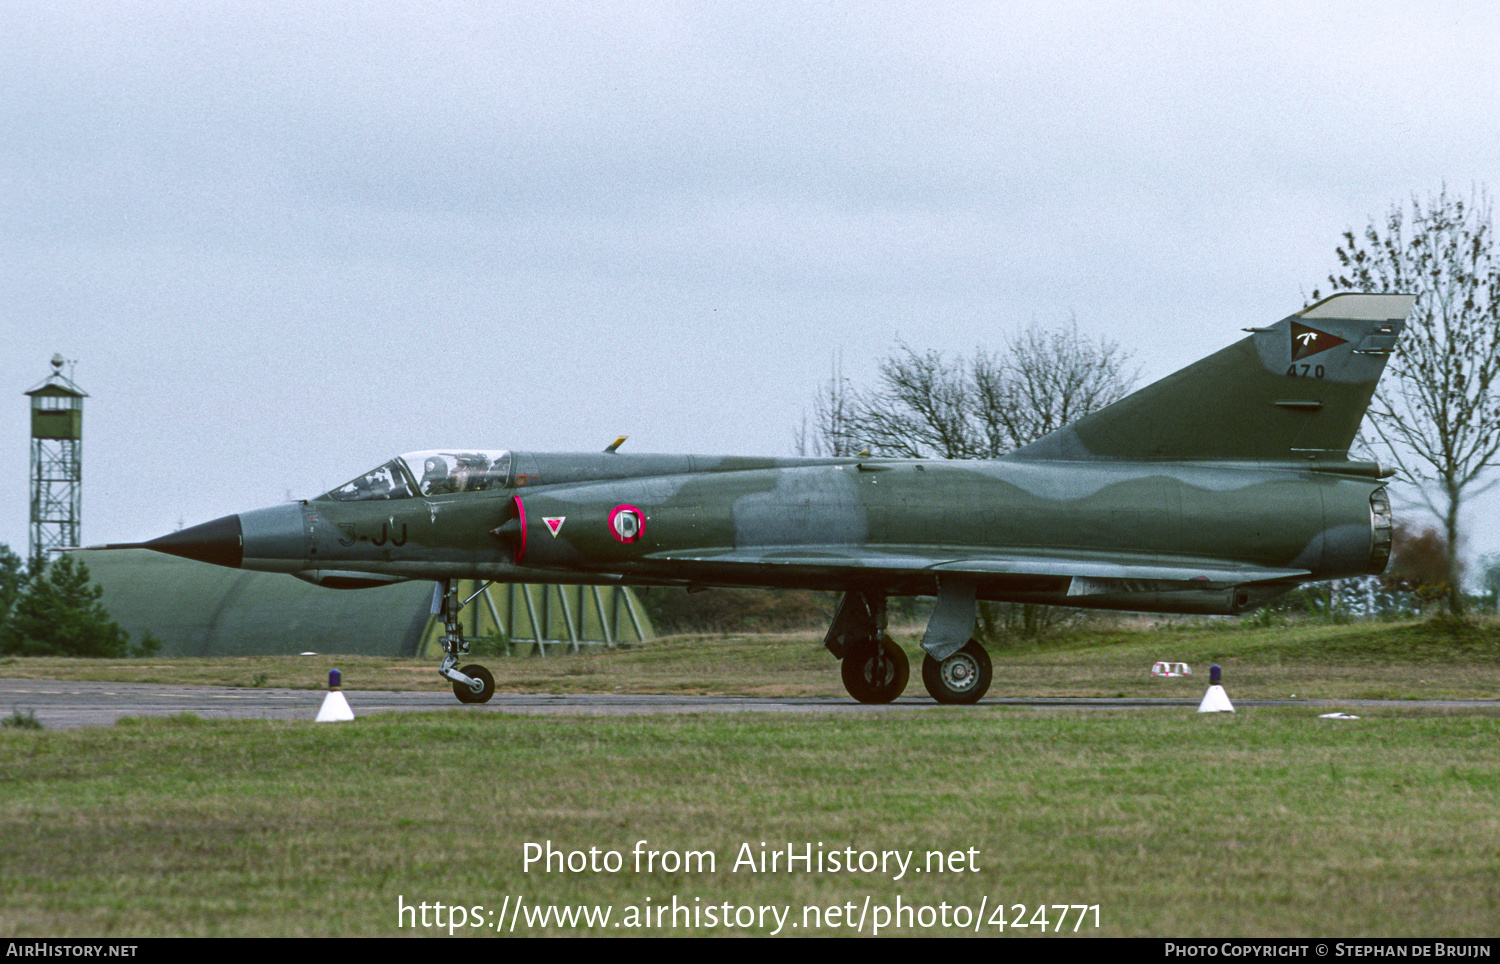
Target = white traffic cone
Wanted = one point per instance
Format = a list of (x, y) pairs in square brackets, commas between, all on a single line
[(335, 708), (1215, 700)]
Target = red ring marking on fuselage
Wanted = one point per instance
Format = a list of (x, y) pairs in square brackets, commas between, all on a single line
[(521, 513)]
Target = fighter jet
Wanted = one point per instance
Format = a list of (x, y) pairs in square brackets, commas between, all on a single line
[(1214, 490)]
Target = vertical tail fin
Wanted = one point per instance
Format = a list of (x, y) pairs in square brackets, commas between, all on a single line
[(1295, 390)]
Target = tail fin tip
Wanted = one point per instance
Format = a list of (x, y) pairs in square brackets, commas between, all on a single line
[(1293, 391)]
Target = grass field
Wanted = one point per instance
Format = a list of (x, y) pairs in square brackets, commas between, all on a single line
[(1265, 823)]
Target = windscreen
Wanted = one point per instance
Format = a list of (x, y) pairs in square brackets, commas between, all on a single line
[(435, 473), (390, 481), (448, 471)]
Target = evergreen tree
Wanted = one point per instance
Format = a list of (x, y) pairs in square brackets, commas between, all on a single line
[(58, 613), (12, 581)]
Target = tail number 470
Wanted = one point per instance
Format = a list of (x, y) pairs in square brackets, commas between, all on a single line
[(1305, 371)]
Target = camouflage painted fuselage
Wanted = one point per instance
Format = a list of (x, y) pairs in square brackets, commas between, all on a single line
[(1153, 536)]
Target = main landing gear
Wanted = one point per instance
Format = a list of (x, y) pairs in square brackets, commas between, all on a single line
[(963, 677), (876, 670), (473, 683)]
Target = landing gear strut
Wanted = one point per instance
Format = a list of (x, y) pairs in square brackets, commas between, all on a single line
[(473, 683)]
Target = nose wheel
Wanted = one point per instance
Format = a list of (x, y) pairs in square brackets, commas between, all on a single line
[(481, 687), (962, 678)]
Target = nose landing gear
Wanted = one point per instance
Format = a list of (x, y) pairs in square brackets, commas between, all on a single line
[(473, 683)]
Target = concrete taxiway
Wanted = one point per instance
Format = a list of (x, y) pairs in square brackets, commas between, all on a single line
[(66, 705)]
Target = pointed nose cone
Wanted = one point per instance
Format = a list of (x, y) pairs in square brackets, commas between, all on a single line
[(220, 542)]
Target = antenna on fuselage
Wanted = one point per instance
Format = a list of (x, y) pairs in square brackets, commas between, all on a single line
[(612, 446)]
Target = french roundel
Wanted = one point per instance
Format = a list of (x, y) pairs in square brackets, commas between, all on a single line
[(627, 523)]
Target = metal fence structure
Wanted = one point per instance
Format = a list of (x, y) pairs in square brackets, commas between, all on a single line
[(521, 619)]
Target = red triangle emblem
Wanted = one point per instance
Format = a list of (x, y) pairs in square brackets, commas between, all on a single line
[(554, 523), (1309, 341)]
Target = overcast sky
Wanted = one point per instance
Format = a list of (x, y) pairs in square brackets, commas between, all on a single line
[(285, 241)]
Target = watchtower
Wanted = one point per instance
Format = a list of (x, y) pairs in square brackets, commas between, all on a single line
[(56, 461)]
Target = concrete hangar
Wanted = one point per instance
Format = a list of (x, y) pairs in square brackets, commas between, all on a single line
[(195, 609)]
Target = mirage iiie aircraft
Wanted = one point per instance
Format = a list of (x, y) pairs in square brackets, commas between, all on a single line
[(1213, 490)]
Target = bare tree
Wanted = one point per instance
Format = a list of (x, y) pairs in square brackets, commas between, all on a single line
[(922, 407), (925, 406), (830, 434), (1437, 413), (1049, 379)]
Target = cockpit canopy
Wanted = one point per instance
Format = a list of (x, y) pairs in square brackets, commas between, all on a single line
[(426, 474)]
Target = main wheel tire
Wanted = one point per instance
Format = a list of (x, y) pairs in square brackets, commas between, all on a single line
[(962, 678), (876, 675), (467, 695)]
